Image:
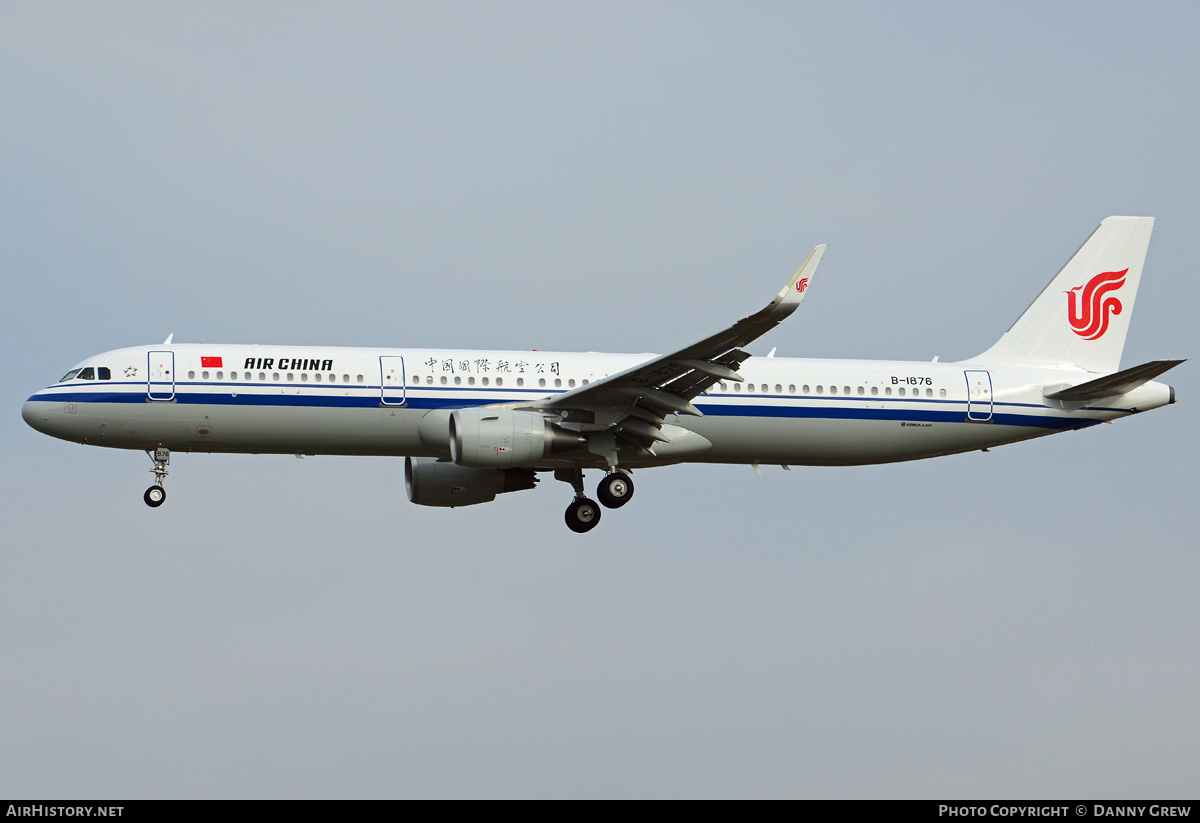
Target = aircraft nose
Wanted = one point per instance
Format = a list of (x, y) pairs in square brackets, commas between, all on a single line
[(35, 412)]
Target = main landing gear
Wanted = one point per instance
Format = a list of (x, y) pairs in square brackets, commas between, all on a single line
[(614, 491), (582, 515), (156, 494)]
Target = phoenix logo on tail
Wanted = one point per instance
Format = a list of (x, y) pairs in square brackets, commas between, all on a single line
[(1089, 313)]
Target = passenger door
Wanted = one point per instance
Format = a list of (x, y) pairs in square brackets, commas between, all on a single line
[(160, 375), (979, 396), (391, 380)]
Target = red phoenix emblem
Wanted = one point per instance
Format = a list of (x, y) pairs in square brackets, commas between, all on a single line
[(802, 284), (1089, 312)]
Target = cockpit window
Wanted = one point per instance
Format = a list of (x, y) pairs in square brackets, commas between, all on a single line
[(69, 376), (104, 373), (86, 374)]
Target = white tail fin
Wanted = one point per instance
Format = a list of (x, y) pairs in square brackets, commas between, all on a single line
[(1082, 317)]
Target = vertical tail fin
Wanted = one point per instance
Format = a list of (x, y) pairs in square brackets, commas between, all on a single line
[(1082, 317)]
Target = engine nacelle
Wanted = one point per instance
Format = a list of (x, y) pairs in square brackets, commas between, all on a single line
[(498, 438), (432, 482)]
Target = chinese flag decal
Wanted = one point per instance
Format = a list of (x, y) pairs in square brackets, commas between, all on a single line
[(210, 363)]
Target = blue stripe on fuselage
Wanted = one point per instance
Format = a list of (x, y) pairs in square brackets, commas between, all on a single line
[(315, 397)]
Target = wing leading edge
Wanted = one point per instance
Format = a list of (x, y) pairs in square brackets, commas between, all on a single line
[(636, 402)]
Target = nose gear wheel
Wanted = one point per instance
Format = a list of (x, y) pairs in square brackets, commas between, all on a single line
[(156, 494)]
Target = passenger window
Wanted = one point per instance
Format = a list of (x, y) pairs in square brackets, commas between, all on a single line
[(520, 381), (861, 391), (220, 375), (901, 391), (805, 388), (275, 376), (191, 374), (499, 381), (737, 387), (291, 376), (105, 374), (571, 383), (204, 374), (820, 389), (262, 375), (428, 379), (929, 392), (317, 377), (723, 387), (443, 380), (346, 378), (470, 381), (942, 393), (888, 391), (360, 378), (874, 390), (778, 389), (457, 380), (485, 381), (791, 388), (541, 381), (845, 390)]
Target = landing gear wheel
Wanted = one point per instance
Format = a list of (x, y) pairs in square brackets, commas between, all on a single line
[(582, 515), (156, 494), (615, 490)]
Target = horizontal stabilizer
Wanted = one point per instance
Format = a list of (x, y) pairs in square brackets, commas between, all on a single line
[(1112, 385)]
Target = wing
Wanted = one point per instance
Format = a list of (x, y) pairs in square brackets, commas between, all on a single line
[(636, 402)]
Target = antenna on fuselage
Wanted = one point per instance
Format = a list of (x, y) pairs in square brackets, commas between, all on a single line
[(168, 340)]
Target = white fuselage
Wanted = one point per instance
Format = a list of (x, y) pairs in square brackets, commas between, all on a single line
[(358, 401), (476, 424)]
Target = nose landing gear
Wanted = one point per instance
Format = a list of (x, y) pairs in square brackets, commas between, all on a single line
[(156, 494)]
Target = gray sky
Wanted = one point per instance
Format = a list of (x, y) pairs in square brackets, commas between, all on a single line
[(615, 177)]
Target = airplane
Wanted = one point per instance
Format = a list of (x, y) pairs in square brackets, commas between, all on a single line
[(472, 425)]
